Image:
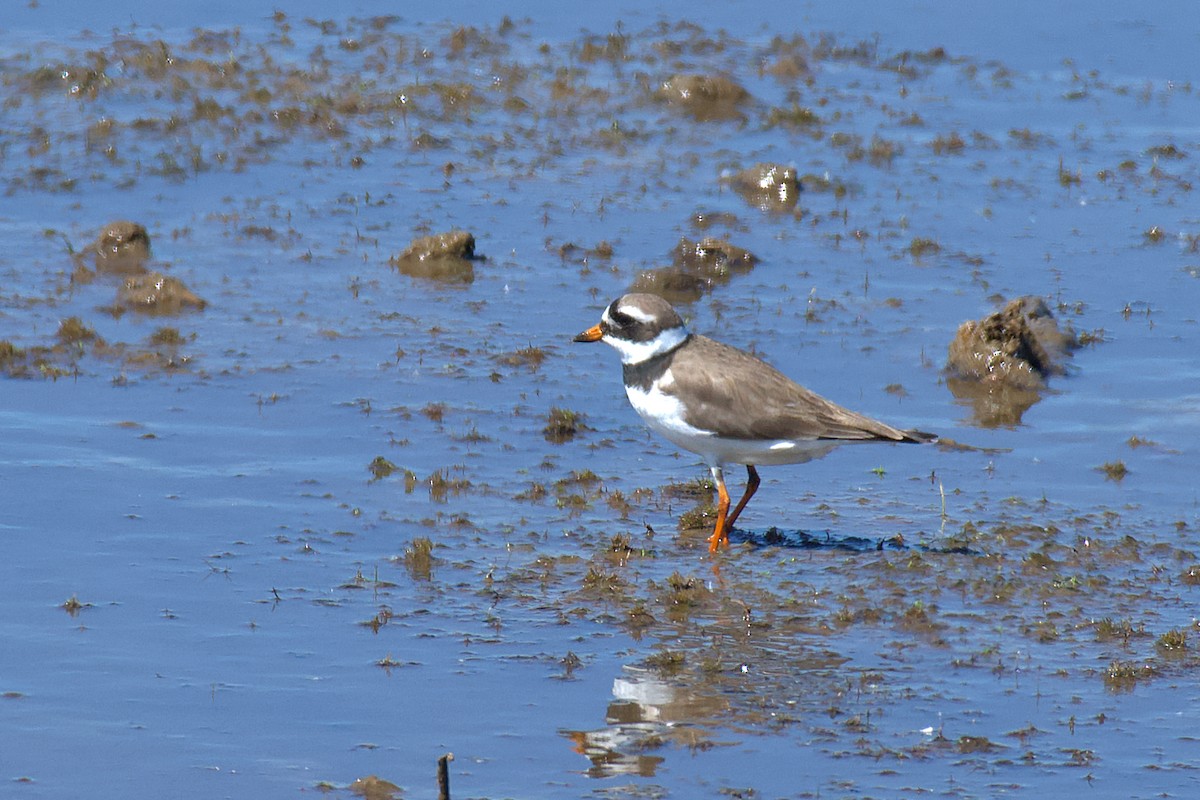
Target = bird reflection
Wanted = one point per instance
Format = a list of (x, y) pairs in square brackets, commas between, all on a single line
[(646, 714)]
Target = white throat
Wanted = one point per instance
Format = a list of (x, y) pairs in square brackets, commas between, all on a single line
[(637, 352)]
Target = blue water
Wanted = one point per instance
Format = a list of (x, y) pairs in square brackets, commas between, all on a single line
[(216, 520)]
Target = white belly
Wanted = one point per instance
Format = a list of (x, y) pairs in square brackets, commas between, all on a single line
[(663, 413)]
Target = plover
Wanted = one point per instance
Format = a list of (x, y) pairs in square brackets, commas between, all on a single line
[(723, 404)]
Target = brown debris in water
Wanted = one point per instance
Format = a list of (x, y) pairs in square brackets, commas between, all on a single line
[(563, 425), (1002, 362), (705, 97), (572, 252), (380, 468), (373, 787), (167, 337), (453, 244), (698, 267), (676, 285), (767, 187), (975, 744), (75, 340), (530, 357), (73, 330), (155, 293), (703, 220), (9, 353), (419, 558), (788, 60), (789, 68), (1122, 676), (716, 258), (445, 257), (122, 247)]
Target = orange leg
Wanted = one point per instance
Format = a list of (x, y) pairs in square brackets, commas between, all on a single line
[(721, 532), (752, 483)]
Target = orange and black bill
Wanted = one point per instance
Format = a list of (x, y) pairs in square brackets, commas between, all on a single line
[(592, 334)]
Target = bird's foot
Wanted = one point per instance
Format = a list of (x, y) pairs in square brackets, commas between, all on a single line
[(720, 536)]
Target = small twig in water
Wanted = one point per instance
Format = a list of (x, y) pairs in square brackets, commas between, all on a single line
[(444, 776)]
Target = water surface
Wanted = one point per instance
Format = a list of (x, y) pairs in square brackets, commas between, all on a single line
[(255, 618)]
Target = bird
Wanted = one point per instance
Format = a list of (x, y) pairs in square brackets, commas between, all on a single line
[(724, 404)]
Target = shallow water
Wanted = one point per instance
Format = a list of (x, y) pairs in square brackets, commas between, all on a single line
[(257, 618)]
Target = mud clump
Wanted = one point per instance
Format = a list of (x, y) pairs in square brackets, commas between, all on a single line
[(767, 187), (697, 267), (166, 337), (563, 425), (713, 257), (155, 293), (789, 68), (704, 220), (975, 744), (72, 330), (705, 97), (1021, 346), (454, 244), (380, 468), (419, 558), (373, 787), (444, 257), (122, 247), (676, 285), (1002, 362), (9, 353)]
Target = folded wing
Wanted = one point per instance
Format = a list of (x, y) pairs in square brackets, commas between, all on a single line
[(783, 410)]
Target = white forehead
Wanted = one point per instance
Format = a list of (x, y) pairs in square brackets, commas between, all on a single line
[(633, 311), (637, 313)]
